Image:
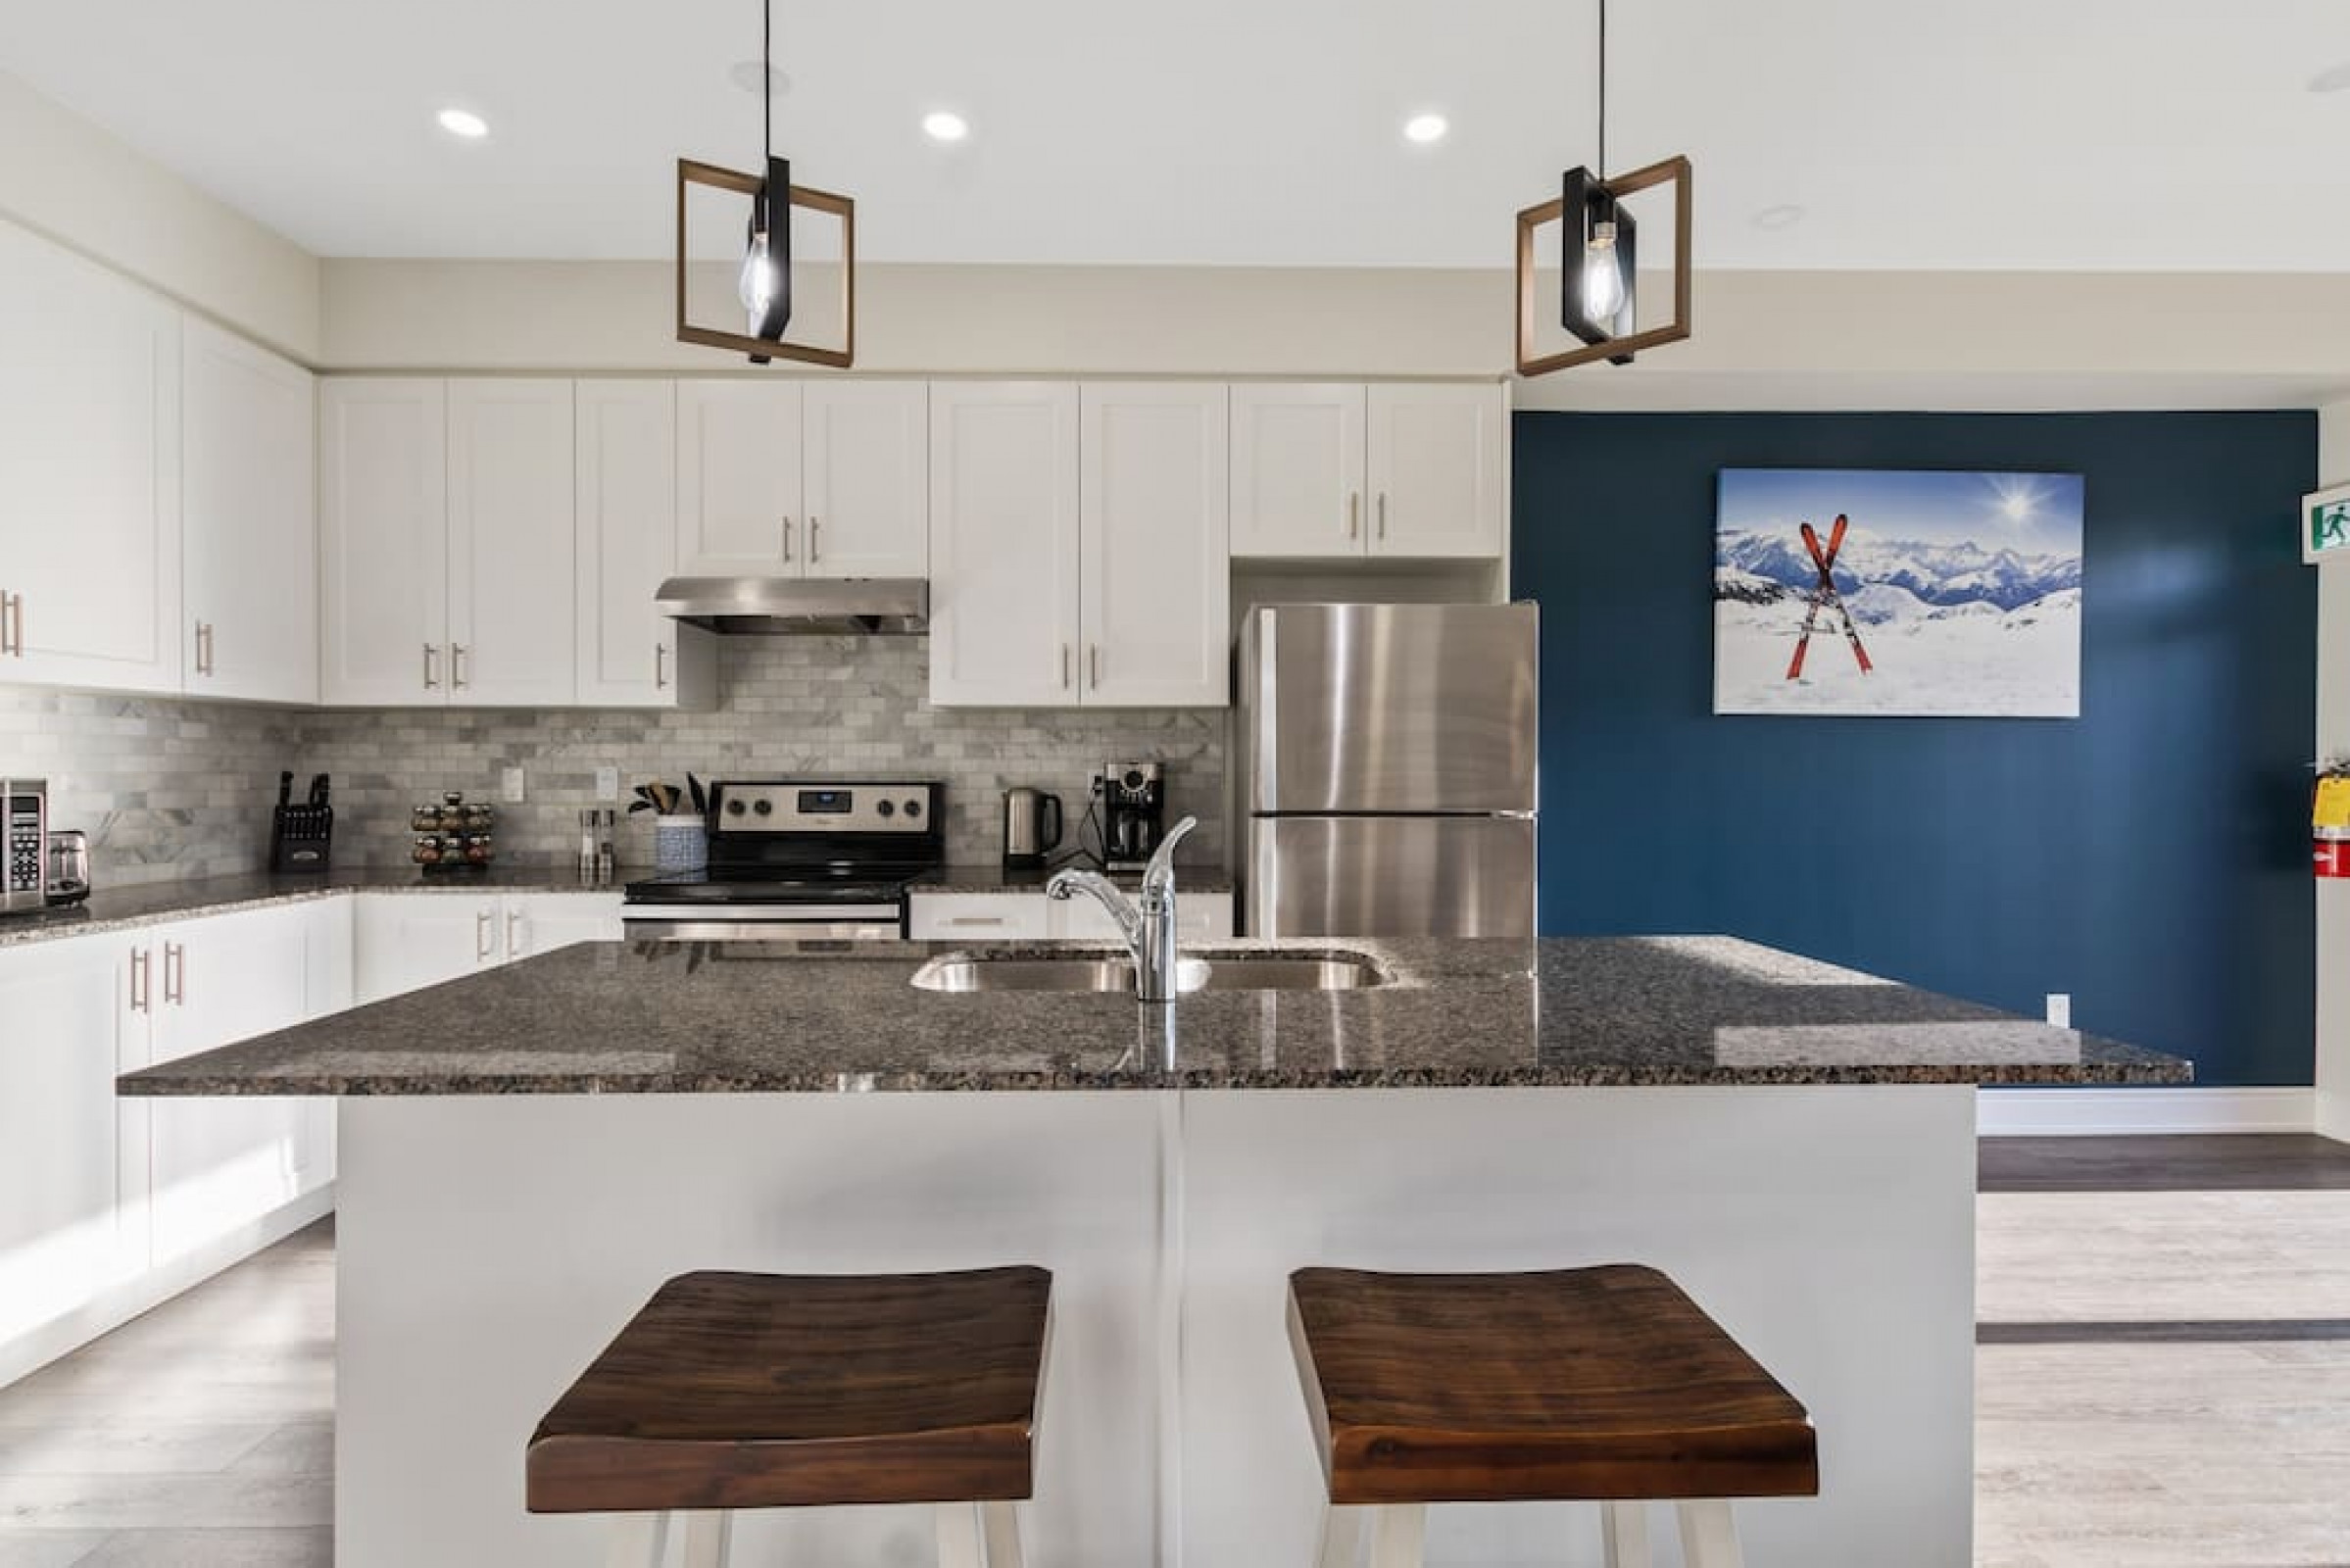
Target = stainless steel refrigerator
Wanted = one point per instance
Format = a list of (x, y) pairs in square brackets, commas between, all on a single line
[(1387, 770)]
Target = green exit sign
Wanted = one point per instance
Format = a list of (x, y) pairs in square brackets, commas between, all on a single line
[(2326, 525)]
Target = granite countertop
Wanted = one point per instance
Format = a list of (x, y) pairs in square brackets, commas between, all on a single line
[(998, 879), (737, 1018), (153, 903)]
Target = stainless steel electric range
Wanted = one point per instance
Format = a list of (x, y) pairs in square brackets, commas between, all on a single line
[(799, 860)]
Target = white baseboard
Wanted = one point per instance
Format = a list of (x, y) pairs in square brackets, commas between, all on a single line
[(2091, 1112), (30, 1352)]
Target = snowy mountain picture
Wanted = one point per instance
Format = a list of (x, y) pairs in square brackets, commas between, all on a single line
[(1896, 592)]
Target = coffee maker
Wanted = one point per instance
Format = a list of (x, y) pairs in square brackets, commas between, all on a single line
[(1134, 813)]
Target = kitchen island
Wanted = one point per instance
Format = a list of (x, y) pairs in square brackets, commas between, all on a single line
[(527, 1152)]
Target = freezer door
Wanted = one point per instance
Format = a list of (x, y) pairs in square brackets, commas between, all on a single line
[(1394, 876), (1389, 708)]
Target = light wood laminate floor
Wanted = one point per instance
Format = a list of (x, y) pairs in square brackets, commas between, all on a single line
[(2163, 1381)]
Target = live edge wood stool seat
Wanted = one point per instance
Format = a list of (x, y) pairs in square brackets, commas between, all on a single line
[(768, 1390), (1606, 1384)]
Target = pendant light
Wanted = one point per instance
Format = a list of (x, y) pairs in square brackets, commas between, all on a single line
[(1599, 278), (763, 281)]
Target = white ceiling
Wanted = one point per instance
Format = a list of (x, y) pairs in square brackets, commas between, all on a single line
[(2088, 135)]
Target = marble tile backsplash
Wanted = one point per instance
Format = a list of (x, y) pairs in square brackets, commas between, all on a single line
[(170, 788)]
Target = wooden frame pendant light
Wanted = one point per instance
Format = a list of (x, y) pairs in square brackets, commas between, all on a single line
[(766, 277), (1599, 286)]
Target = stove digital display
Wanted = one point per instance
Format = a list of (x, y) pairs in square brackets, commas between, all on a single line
[(814, 803)]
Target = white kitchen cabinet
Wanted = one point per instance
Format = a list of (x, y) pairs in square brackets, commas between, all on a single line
[(511, 596), (404, 942), (1156, 586), (978, 917), (1199, 917), (1004, 543), (225, 1162), (625, 498), (737, 479), (533, 923), (1438, 475), (1298, 469), (72, 1157), (249, 520), (383, 542), (865, 456), (1413, 470), (89, 474)]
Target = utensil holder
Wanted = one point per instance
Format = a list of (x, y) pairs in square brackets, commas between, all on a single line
[(680, 844)]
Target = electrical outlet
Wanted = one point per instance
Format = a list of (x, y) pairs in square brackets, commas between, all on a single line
[(2060, 1009), (608, 783), (513, 786)]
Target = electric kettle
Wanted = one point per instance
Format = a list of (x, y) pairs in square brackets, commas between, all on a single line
[(1032, 827)]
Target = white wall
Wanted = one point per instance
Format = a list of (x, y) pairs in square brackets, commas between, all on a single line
[(73, 183), (2333, 740)]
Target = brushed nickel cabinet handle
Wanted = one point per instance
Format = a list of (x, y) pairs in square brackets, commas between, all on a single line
[(1064, 667), (141, 1001), (513, 933), (457, 653), (176, 974), (432, 669), (661, 667), (20, 645), (815, 540), (1354, 511), (787, 541), (11, 602), (482, 935), (975, 919), (204, 648), (1095, 651), (1382, 513)]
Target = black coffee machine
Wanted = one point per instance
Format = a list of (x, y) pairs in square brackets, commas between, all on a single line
[(1134, 813)]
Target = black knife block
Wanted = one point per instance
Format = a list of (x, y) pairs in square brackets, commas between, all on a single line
[(301, 838)]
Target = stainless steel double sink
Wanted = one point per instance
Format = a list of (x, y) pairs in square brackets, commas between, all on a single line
[(1114, 972)]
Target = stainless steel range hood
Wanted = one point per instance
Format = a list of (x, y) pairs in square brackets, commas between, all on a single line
[(805, 606)]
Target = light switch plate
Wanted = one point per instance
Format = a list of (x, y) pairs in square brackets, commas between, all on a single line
[(2060, 1009), (513, 786), (608, 783)]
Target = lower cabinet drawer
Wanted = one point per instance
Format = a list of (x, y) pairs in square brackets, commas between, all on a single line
[(979, 917)]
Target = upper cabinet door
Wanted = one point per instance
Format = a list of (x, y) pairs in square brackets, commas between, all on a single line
[(249, 517), (89, 474), (626, 501), (1003, 544), (1157, 545), (511, 547), (383, 542), (1298, 469), (867, 457), (738, 479), (1436, 466)]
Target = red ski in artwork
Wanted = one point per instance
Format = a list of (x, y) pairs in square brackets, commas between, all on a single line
[(1824, 596)]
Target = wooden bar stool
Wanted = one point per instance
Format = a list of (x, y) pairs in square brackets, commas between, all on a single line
[(1599, 1384), (768, 1390)]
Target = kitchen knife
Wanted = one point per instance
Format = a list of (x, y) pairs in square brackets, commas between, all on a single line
[(318, 789), (285, 789)]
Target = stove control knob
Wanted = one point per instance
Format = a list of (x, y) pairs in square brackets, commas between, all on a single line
[(763, 806), (735, 807), (913, 808), (885, 809)]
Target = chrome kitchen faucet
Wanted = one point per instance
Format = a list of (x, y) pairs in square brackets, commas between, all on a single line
[(1147, 921)]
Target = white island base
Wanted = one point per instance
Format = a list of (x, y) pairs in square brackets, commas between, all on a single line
[(489, 1247)]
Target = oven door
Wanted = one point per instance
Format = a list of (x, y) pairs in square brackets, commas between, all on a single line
[(763, 922)]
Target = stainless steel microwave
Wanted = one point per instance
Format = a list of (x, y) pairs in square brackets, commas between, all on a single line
[(25, 823)]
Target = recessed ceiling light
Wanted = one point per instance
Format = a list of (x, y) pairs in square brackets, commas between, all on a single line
[(2335, 79), (751, 76), (464, 123), (1426, 128), (1787, 215), (941, 124)]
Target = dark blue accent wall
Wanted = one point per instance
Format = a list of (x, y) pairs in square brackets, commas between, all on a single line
[(2150, 858)]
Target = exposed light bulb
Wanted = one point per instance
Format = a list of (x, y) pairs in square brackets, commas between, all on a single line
[(1603, 275), (756, 287)]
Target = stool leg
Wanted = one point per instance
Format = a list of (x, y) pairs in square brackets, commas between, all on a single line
[(1401, 1539), (1624, 1525), (709, 1540), (1342, 1538), (959, 1545), (1001, 1528), (1709, 1537), (638, 1540)]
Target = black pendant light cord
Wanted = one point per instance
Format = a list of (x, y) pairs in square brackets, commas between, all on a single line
[(766, 80), (1601, 169)]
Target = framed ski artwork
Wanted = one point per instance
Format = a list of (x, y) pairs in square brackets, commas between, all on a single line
[(1897, 592)]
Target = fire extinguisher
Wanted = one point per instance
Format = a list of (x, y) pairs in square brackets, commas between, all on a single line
[(2329, 821)]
